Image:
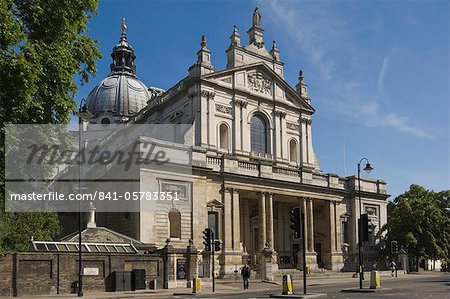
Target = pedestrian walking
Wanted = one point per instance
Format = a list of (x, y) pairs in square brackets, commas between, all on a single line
[(245, 272), (393, 265)]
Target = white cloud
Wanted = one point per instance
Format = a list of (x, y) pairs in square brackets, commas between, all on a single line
[(383, 69), (342, 64)]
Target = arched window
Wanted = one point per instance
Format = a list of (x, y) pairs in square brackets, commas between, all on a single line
[(293, 152), (223, 136), (175, 224), (258, 134)]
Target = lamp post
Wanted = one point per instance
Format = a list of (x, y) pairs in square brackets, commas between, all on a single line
[(83, 115), (368, 169)]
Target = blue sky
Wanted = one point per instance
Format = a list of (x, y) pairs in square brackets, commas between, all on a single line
[(378, 71)]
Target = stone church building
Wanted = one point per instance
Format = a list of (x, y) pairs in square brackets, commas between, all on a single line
[(253, 160)]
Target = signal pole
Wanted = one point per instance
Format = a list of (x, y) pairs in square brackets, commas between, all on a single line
[(298, 227), (209, 242), (304, 250), (213, 266)]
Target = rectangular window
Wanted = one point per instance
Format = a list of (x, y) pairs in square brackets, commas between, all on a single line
[(213, 223)]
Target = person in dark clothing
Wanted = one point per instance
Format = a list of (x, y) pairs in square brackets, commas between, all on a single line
[(245, 272)]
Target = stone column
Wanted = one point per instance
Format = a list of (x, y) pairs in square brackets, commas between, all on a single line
[(231, 256), (306, 222), (310, 228), (337, 258), (236, 221), (247, 227), (332, 226), (262, 221), (338, 227), (227, 220), (269, 200)]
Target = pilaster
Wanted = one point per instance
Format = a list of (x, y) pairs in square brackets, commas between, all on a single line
[(236, 221), (227, 235)]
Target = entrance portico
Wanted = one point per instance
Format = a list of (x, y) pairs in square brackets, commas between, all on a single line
[(263, 231)]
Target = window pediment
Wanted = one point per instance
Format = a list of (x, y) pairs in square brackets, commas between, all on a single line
[(214, 204)]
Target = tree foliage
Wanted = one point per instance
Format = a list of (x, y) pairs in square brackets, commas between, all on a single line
[(419, 220), (43, 47)]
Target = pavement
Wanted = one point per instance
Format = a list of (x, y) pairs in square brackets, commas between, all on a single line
[(404, 286)]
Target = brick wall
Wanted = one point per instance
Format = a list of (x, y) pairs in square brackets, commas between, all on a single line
[(36, 273), (6, 275)]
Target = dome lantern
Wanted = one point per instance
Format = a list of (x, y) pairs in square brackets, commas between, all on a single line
[(123, 54)]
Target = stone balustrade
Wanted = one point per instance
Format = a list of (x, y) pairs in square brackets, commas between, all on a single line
[(268, 169)]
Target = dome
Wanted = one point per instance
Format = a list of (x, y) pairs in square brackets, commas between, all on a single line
[(119, 94)]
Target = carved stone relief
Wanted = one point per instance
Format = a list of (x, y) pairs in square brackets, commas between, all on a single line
[(223, 109), (292, 126), (258, 82)]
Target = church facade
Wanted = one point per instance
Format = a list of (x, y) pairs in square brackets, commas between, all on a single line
[(252, 161)]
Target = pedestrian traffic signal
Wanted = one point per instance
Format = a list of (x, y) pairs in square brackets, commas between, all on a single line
[(296, 222), (207, 236), (394, 247), (365, 227), (217, 245)]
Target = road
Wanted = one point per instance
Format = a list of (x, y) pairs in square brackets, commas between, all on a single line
[(412, 286)]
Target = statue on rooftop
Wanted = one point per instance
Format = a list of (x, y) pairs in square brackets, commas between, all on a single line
[(256, 18)]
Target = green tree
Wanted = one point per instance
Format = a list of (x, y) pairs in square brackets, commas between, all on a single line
[(419, 220), (43, 47)]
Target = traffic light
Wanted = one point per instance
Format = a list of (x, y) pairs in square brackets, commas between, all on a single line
[(217, 245), (296, 222), (394, 247), (207, 234), (365, 227)]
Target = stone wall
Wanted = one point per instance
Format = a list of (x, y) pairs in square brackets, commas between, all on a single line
[(36, 273)]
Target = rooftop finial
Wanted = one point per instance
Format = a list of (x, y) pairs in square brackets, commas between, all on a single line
[(275, 52), (302, 87), (256, 18), (123, 36), (235, 37), (203, 43), (124, 26)]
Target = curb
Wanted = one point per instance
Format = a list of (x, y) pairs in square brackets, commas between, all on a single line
[(358, 290), (311, 295)]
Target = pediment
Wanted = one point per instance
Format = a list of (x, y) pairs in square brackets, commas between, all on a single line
[(258, 79), (214, 204)]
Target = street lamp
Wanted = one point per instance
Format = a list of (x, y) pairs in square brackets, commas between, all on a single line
[(83, 115), (367, 169)]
